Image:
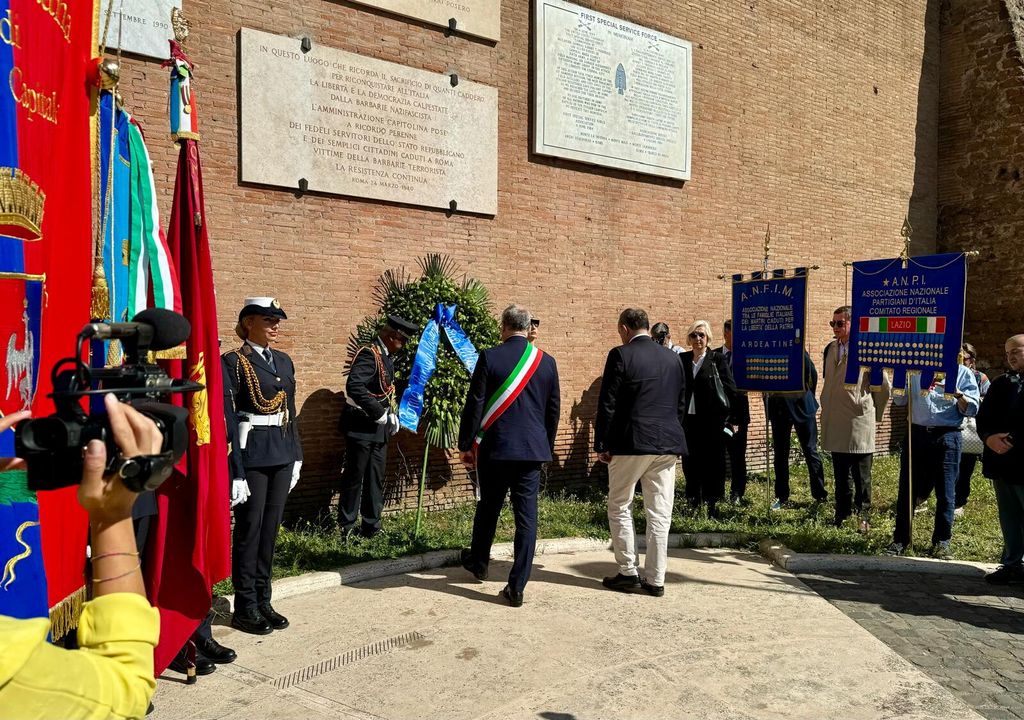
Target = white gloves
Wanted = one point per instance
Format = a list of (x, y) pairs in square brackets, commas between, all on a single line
[(296, 468), (390, 422), (239, 492)]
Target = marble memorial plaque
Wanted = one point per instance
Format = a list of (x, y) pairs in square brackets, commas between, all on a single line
[(608, 92), (481, 18), (353, 125), (145, 26)]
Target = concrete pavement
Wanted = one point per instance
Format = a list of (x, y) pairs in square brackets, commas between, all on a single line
[(733, 638)]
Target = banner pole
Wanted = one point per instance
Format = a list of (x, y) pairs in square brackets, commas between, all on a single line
[(910, 463), (423, 482), (767, 457)]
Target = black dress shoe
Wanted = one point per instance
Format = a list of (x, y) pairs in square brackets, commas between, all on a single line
[(204, 666), (514, 599), (250, 621), (653, 590), (370, 532), (622, 583), (212, 649), (272, 616), (480, 573)]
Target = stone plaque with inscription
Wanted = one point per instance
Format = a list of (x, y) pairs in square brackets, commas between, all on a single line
[(353, 125), (608, 92), (481, 18), (145, 26)]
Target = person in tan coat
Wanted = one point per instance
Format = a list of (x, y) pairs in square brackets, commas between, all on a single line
[(848, 418)]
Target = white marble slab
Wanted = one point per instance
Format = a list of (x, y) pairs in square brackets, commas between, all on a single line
[(481, 18), (609, 92), (353, 125)]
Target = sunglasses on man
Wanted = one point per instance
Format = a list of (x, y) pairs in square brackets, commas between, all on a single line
[(836, 323)]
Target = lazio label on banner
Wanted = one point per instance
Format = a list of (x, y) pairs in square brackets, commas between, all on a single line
[(907, 318), (768, 316)]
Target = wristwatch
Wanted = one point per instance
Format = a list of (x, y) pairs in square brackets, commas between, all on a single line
[(143, 472)]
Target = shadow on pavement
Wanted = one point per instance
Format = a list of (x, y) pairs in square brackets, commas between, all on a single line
[(967, 600)]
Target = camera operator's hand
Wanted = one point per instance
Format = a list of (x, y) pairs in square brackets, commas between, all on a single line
[(106, 498), (6, 423)]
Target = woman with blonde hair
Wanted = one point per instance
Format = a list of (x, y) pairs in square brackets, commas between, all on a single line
[(710, 397)]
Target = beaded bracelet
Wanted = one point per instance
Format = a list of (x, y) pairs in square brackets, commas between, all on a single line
[(114, 554), (118, 577)]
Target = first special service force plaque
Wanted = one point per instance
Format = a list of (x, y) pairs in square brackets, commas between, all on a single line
[(353, 125), (608, 92)]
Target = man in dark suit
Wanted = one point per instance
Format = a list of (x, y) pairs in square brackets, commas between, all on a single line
[(797, 412), (369, 420), (639, 433), (507, 431), (736, 445)]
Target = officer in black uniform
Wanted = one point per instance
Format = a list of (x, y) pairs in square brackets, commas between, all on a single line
[(369, 419), (266, 462)]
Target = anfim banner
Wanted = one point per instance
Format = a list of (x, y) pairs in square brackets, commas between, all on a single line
[(768, 315), (907, 318)]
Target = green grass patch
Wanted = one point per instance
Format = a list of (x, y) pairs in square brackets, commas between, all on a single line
[(804, 527)]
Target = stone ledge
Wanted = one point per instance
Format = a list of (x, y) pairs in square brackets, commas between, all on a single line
[(771, 550)]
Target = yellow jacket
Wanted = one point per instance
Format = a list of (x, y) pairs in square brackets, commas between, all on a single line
[(111, 676)]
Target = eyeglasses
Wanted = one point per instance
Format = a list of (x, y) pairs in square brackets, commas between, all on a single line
[(836, 323), (695, 335)]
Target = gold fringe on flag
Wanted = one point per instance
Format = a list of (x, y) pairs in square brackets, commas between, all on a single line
[(64, 615), (100, 307), (174, 353)]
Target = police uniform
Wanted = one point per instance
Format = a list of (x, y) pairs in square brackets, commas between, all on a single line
[(267, 456), (369, 419)]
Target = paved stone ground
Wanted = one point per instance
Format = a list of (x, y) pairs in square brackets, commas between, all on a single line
[(967, 635), (732, 639)]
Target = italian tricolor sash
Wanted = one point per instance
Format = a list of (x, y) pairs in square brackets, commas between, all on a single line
[(510, 389)]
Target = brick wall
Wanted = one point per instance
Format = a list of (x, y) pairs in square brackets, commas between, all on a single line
[(981, 160), (819, 118)]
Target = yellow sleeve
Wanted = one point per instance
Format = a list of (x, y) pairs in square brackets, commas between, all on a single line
[(111, 676)]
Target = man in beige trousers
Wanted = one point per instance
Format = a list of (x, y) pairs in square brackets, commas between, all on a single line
[(848, 418), (639, 433)]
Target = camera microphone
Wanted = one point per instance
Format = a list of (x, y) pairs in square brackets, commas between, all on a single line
[(155, 328)]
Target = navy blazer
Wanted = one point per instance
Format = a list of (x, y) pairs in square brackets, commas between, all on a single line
[(643, 398), (266, 446), (801, 407), (526, 430)]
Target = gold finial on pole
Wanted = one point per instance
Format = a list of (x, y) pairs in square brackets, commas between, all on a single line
[(906, 232), (767, 245), (180, 25)]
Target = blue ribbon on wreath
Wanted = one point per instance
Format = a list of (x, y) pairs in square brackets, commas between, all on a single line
[(425, 362)]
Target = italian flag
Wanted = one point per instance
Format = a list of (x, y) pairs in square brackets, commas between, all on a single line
[(505, 395), (929, 325)]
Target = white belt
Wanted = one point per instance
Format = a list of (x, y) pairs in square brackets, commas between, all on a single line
[(275, 420)]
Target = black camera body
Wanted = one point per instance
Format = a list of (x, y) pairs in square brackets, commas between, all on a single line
[(53, 446)]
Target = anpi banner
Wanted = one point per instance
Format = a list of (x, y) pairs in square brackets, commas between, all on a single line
[(907, 318)]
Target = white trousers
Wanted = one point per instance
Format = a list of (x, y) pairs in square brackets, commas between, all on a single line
[(657, 476)]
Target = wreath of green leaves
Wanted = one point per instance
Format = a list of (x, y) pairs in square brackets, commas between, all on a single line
[(398, 294)]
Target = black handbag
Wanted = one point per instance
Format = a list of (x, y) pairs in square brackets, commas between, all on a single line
[(720, 396)]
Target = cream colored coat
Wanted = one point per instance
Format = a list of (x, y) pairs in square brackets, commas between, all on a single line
[(848, 417)]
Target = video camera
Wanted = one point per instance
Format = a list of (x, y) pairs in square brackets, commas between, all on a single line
[(52, 446)]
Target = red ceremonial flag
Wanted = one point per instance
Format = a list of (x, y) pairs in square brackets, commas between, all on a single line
[(190, 546)]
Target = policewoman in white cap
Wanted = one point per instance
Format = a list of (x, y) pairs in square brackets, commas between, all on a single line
[(265, 465)]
